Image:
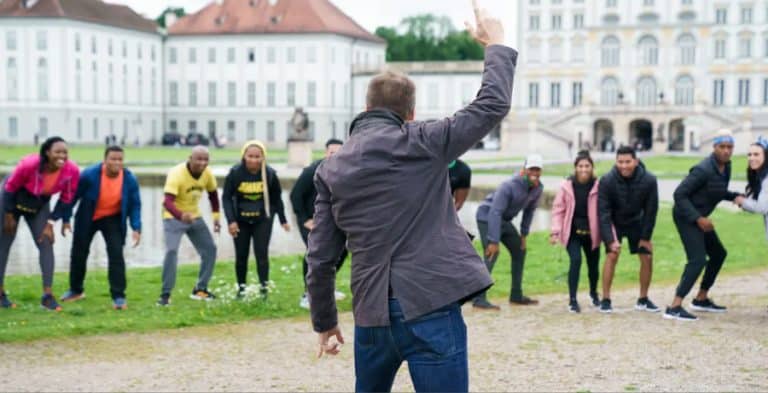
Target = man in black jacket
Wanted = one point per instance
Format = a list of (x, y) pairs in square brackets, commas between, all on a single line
[(628, 201), (303, 197), (695, 199)]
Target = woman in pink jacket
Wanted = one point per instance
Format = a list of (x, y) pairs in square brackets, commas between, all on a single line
[(575, 226), (27, 193)]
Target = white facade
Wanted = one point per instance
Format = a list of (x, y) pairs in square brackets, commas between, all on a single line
[(82, 81)]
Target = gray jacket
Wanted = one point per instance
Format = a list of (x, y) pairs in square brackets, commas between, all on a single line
[(512, 196), (759, 205), (386, 195)]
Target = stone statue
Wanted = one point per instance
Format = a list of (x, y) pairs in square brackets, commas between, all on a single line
[(300, 123), (660, 133)]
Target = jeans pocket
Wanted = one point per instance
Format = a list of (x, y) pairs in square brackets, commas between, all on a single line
[(435, 334)]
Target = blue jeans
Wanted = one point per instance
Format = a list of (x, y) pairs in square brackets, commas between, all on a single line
[(434, 345)]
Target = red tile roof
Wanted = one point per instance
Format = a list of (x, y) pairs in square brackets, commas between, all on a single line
[(94, 11), (261, 17)]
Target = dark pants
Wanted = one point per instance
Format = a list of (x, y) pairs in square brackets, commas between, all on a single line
[(36, 223), (110, 228), (434, 345), (576, 244), (512, 241), (698, 246), (260, 232), (305, 237)]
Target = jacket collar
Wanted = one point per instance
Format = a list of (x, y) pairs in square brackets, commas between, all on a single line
[(375, 115)]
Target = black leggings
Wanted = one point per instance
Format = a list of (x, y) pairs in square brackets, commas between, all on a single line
[(576, 244), (261, 233)]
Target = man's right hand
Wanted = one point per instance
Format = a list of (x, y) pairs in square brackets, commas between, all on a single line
[(309, 224), (705, 224), (9, 224), (234, 229), (325, 344), (187, 218), (491, 250), (487, 30)]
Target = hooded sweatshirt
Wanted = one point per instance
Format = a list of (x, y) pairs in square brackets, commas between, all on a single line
[(26, 178)]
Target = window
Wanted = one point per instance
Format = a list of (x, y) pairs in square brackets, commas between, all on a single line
[(250, 130), (78, 81), (111, 84), (746, 15), (312, 94), (687, 2), (270, 131), (554, 94), (79, 129), (192, 124), (534, 52), (231, 94), (577, 51), (333, 129), (346, 94), (333, 55), (211, 93), (555, 51), (765, 42), (687, 47), (95, 83), (152, 53), (291, 57), (173, 93), (212, 127), (10, 40), (646, 91), (192, 93), (578, 21), (745, 47), (125, 84), (765, 91), (557, 22), (42, 80), (610, 52), (172, 55), (13, 127), (557, 1), (109, 47), (533, 23), (290, 94), (720, 48), (251, 93), (611, 3), (534, 2), (251, 55), (648, 3), (139, 51), (153, 88), (649, 51), (533, 95), (231, 53), (311, 55), (95, 129), (192, 55), (271, 94), (609, 91), (125, 49), (721, 16), (577, 93), (140, 83), (271, 55), (77, 42), (43, 131), (211, 55), (333, 94), (743, 92), (12, 74), (231, 131), (42, 40), (684, 89), (173, 125), (94, 45)]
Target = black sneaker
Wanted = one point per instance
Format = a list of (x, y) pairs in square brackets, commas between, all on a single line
[(595, 299), (645, 304), (605, 306), (241, 291), (679, 314), (264, 292), (202, 294), (707, 305), (484, 304), (574, 307), (5, 302), (164, 300)]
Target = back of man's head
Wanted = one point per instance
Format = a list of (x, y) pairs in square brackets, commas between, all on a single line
[(393, 91)]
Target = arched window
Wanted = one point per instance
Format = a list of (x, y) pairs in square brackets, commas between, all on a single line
[(646, 91), (684, 90), (534, 51), (648, 50), (686, 45), (610, 51), (609, 91)]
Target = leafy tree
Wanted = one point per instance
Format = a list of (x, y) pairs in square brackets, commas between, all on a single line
[(179, 11), (428, 38)]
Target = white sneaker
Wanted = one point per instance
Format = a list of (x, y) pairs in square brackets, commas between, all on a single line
[(340, 295), (304, 302)]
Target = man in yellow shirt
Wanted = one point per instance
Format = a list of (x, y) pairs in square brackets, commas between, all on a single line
[(183, 189)]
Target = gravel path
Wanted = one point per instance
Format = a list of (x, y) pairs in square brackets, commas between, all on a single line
[(518, 349)]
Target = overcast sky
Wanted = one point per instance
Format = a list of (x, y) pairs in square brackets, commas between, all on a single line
[(369, 13)]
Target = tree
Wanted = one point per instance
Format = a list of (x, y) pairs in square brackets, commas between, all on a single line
[(428, 38), (179, 11)]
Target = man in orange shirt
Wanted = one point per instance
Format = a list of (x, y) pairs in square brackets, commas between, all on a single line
[(109, 198)]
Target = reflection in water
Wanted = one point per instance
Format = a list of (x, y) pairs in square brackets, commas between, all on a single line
[(24, 255)]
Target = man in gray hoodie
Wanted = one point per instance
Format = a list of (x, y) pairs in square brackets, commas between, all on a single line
[(494, 222), (385, 195)]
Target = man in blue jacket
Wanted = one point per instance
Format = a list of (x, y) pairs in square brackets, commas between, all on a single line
[(109, 198)]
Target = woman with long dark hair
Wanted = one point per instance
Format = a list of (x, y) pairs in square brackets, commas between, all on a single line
[(252, 197), (756, 199), (575, 226), (27, 193)]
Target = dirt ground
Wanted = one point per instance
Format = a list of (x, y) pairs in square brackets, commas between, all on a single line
[(541, 348)]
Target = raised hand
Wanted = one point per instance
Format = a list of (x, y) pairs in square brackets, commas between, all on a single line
[(487, 30)]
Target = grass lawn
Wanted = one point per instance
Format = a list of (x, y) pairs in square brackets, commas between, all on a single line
[(86, 155), (546, 272), (664, 167)]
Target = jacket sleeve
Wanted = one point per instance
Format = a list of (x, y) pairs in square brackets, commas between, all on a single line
[(451, 137), (134, 206), (301, 190), (276, 196), (326, 243), (682, 196), (558, 212), (604, 208), (14, 183), (525, 225), (651, 211), (64, 206), (759, 205), (498, 205), (228, 196)]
